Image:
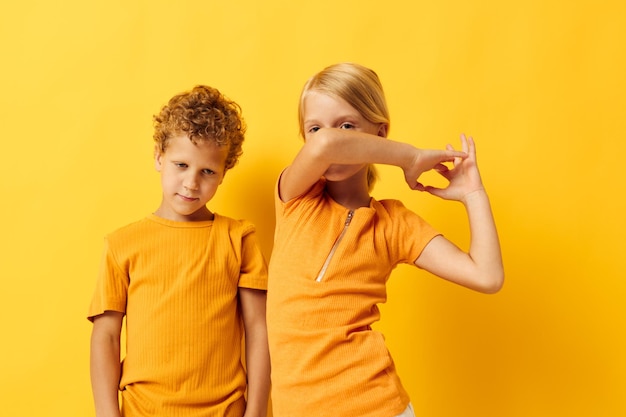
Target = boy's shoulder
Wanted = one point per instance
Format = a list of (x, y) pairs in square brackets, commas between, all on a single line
[(155, 224), (233, 225), (129, 228)]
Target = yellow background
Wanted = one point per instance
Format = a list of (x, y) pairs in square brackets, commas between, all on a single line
[(539, 84)]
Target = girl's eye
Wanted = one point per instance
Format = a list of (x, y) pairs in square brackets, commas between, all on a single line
[(346, 126), (180, 164), (208, 172), (314, 129)]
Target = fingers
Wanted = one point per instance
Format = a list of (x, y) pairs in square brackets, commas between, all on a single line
[(472, 148), (468, 145), (464, 142), (437, 192), (459, 155), (441, 168), (419, 187), (451, 153)]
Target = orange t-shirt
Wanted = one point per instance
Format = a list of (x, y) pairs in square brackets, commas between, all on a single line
[(326, 359), (178, 284)]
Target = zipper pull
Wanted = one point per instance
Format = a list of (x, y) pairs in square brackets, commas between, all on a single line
[(349, 218), (322, 272)]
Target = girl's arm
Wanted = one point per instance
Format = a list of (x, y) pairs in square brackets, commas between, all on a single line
[(329, 146), (481, 267), (105, 363), (257, 351)]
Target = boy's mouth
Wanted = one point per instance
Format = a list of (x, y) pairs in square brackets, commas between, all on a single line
[(185, 198)]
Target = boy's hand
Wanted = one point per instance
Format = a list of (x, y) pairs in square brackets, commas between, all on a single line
[(464, 178)]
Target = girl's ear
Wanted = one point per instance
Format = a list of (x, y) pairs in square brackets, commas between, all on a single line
[(158, 156), (382, 130)]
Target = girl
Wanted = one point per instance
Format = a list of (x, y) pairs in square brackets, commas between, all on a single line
[(335, 247)]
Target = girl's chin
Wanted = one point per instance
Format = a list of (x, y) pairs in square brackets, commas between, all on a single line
[(340, 173)]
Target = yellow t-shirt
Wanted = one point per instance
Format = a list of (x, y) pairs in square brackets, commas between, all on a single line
[(177, 283), (326, 359)]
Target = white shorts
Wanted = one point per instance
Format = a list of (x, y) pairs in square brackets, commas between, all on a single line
[(408, 412)]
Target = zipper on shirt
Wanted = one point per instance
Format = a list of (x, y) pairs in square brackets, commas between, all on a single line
[(320, 276)]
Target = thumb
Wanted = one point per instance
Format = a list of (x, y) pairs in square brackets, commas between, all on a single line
[(419, 187), (412, 183), (437, 192)]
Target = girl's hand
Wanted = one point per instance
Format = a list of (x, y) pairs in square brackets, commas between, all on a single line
[(463, 178), (422, 160)]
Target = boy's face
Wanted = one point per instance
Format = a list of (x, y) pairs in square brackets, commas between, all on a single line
[(190, 175)]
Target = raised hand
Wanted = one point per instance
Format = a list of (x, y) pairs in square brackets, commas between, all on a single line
[(464, 177), (428, 159)]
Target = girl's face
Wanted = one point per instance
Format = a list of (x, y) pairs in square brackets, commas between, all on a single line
[(329, 111), (190, 175)]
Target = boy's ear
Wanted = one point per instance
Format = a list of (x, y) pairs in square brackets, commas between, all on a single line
[(382, 130), (158, 156)]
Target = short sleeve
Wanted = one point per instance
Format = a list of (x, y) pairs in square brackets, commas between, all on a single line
[(253, 273), (111, 285), (411, 232)]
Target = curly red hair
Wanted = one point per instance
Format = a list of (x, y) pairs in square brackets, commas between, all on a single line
[(203, 114)]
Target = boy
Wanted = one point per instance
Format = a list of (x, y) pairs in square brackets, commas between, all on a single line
[(189, 282)]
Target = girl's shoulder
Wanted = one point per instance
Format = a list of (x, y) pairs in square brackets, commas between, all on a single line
[(396, 212), (389, 205)]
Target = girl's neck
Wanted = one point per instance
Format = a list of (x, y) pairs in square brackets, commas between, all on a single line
[(349, 194)]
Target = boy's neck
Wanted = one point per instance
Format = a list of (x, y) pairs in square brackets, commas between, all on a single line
[(201, 215)]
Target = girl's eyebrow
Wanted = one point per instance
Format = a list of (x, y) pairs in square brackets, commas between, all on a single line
[(311, 120), (346, 116)]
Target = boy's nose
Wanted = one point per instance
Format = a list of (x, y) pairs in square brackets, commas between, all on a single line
[(191, 182)]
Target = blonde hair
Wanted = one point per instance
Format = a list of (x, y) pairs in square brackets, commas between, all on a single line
[(360, 87), (203, 114)]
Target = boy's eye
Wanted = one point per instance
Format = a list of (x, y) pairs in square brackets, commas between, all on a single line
[(314, 129), (346, 126), (180, 164), (208, 171)]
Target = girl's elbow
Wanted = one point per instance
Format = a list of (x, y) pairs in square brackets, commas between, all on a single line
[(318, 147), (492, 284)]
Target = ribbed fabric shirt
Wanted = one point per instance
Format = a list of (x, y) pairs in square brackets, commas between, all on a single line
[(326, 359), (177, 283)]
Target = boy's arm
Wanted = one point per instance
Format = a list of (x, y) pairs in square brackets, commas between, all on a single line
[(329, 146), (257, 351), (481, 267), (105, 363)]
